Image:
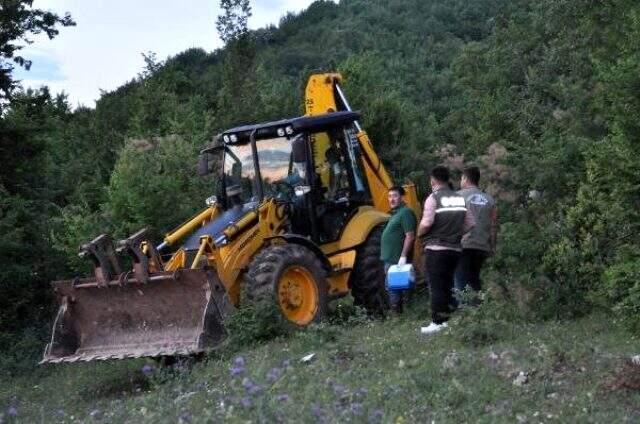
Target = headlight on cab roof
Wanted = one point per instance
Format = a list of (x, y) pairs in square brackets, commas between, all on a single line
[(211, 200)]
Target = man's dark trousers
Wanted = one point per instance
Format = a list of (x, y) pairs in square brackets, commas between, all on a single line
[(469, 267), (441, 266)]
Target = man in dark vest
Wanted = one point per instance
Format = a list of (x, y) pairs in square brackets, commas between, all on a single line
[(444, 221)]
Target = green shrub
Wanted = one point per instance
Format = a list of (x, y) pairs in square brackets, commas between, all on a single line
[(264, 321), (621, 288), (154, 184), (21, 351), (256, 323), (565, 293), (345, 313), (483, 319)]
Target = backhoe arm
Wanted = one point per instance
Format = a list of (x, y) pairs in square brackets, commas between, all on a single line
[(324, 95)]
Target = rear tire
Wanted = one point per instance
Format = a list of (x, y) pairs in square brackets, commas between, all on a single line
[(368, 278), (286, 285)]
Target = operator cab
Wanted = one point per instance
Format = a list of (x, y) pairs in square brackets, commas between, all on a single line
[(311, 163)]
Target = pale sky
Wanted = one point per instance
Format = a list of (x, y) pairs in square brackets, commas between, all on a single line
[(103, 50)]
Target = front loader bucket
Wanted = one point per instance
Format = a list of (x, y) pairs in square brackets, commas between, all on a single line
[(173, 313)]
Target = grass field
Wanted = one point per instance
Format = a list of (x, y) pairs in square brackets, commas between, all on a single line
[(362, 371)]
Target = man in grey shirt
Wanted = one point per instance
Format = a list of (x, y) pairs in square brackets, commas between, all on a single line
[(480, 242)]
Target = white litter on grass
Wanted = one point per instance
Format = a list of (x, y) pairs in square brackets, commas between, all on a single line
[(451, 361), (521, 379), (635, 360), (184, 397), (308, 358)]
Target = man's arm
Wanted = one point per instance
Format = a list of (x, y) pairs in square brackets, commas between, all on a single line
[(493, 237), (408, 222), (469, 222), (409, 238), (428, 215)]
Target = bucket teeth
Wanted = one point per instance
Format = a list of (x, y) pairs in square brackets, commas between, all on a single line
[(106, 262), (101, 253), (110, 357), (132, 247)]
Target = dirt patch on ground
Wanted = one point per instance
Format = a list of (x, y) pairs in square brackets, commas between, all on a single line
[(626, 377)]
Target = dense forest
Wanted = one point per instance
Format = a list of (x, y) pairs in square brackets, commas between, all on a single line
[(543, 95)]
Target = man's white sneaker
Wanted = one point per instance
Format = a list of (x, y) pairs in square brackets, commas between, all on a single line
[(433, 328)]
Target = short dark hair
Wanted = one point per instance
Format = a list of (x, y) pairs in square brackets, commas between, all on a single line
[(440, 173), (472, 173), (398, 189)]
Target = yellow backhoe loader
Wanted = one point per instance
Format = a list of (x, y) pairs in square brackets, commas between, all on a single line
[(296, 221)]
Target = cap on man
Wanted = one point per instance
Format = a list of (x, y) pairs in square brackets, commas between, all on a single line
[(480, 242), (444, 221)]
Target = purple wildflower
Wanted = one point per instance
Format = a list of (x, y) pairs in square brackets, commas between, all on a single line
[(246, 402), (339, 405), (239, 361), (147, 370), (286, 363), (250, 386), (12, 411), (185, 418), (356, 408), (361, 392), (236, 371), (254, 390), (274, 374), (60, 413), (376, 416), (339, 389), (317, 412), (283, 398)]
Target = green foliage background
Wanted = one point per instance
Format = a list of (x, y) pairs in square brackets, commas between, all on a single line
[(543, 95)]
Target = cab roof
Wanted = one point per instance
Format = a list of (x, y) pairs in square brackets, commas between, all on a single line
[(291, 127)]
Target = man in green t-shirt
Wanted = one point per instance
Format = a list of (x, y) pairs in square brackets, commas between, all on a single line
[(397, 238)]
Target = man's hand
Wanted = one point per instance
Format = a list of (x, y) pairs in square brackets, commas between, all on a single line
[(402, 261)]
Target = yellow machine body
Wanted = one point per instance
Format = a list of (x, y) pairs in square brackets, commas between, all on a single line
[(178, 307)]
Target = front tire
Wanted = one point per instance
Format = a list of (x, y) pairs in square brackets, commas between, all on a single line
[(368, 278), (287, 283)]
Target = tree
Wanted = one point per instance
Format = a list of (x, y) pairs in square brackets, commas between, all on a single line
[(238, 79), (232, 24), (27, 187), (18, 20)]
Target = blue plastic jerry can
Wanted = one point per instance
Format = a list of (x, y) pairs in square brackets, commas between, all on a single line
[(400, 277)]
